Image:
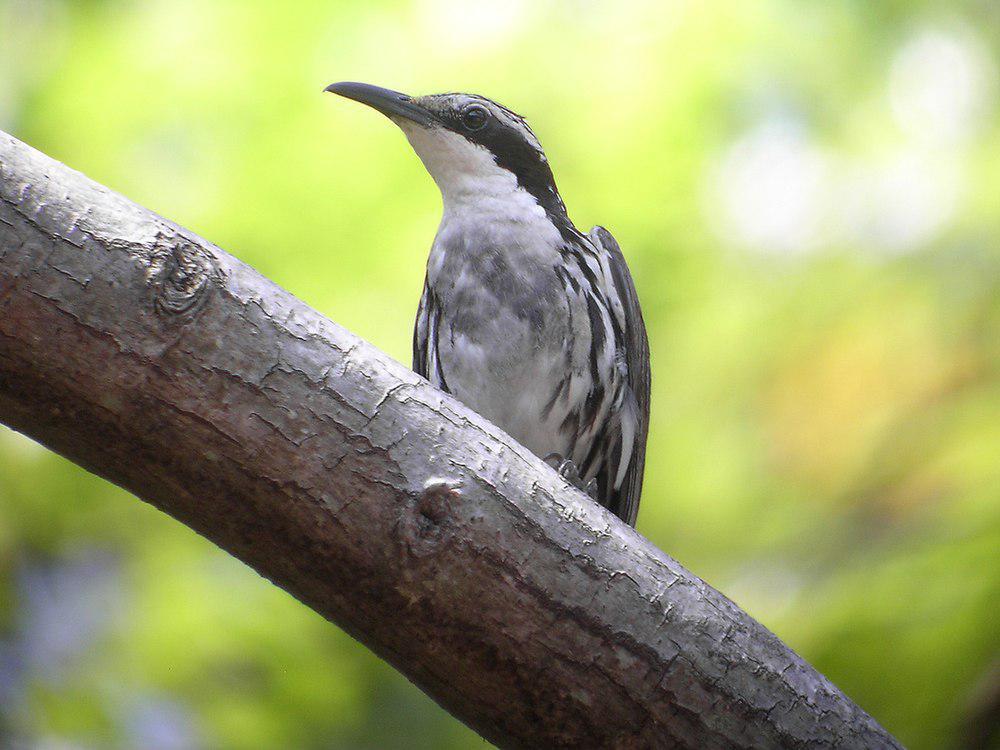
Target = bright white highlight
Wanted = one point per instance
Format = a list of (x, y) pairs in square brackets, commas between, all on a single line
[(770, 189), (940, 86)]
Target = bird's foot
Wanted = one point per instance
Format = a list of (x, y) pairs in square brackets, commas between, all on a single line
[(568, 471)]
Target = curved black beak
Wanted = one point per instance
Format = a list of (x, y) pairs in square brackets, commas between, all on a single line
[(390, 103)]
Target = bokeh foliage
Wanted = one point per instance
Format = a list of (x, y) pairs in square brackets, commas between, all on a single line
[(809, 196)]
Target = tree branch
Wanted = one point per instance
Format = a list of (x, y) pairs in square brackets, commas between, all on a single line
[(165, 365)]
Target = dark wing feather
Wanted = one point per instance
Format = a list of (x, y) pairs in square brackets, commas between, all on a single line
[(426, 361), (624, 501), (421, 342)]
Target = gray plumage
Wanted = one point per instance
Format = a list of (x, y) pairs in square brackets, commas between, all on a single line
[(523, 318)]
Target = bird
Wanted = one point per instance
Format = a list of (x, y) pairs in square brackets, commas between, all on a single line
[(525, 319)]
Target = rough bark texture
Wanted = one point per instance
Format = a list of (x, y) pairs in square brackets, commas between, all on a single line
[(156, 360)]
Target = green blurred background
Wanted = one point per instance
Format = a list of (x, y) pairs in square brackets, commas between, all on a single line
[(809, 196)]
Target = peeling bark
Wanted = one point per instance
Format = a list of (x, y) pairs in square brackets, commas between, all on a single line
[(156, 360)]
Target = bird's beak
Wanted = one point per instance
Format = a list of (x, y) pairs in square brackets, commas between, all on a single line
[(390, 103)]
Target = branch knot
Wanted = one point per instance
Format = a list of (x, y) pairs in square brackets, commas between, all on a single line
[(182, 275), (424, 525)]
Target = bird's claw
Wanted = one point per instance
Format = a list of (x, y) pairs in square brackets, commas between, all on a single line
[(568, 471)]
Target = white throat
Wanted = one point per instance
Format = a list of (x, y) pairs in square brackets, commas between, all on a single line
[(469, 177)]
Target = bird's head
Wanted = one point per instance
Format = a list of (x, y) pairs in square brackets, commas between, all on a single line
[(471, 145)]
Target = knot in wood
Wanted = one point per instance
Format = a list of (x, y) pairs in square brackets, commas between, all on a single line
[(182, 276), (433, 501), (425, 523)]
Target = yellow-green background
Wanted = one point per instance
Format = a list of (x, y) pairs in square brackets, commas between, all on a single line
[(808, 193)]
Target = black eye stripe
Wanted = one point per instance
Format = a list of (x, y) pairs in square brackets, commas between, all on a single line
[(506, 135)]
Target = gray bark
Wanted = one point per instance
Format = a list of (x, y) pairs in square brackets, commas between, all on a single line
[(156, 360)]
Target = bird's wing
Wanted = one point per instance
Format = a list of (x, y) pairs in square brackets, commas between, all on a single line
[(425, 339), (421, 342), (634, 419)]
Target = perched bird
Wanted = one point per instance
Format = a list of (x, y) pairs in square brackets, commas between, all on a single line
[(524, 318)]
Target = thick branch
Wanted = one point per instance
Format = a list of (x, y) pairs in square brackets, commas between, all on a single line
[(156, 360)]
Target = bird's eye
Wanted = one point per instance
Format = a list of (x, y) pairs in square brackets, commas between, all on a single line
[(475, 117)]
